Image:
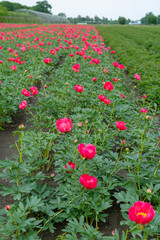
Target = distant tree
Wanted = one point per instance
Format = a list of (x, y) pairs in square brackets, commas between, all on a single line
[(158, 19), (152, 20), (12, 6), (3, 11), (62, 15), (122, 20), (149, 18), (42, 6), (97, 19)]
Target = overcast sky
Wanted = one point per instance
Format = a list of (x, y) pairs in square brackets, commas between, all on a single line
[(133, 9)]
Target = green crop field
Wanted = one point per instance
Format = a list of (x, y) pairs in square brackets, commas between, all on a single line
[(137, 47)]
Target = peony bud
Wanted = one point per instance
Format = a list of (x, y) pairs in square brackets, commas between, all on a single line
[(113, 232), (123, 142), (8, 207), (80, 124), (75, 141), (52, 175), (148, 117), (127, 149), (149, 191), (21, 127)]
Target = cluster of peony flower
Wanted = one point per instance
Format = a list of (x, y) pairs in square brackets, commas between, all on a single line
[(120, 66), (104, 99)]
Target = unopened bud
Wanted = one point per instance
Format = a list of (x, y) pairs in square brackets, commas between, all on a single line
[(148, 117), (113, 232), (75, 141), (127, 149), (149, 191), (21, 127), (52, 175), (8, 207)]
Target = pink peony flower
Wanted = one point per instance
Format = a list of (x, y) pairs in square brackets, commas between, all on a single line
[(141, 212), (89, 182), (23, 104), (121, 125), (78, 88), (108, 86), (88, 151), (25, 92), (64, 124)]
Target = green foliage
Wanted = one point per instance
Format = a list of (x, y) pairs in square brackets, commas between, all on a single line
[(139, 53)]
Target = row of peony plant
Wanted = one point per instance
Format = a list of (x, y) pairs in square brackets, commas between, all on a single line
[(98, 141)]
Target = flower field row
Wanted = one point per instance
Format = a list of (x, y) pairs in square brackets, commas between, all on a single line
[(90, 137), (138, 48)]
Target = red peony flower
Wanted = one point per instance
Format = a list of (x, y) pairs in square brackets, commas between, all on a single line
[(144, 96), (71, 164), (108, 86), (8, 207), (122, 95), (143, 110), (76, 67), (64, 124), (137, 77), (52, 51), (101, 98), (34, 90), (107, 101), (71, 55), (89, 182), (78, 88), (105, 71), (47, 60), (96, 60), (25, 92), (13, 68), (88, 151), (121, 125), (23, 104), (141, 212), (94, 79)]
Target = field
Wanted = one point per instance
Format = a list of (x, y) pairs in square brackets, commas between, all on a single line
[(85, 163), (137, 47)]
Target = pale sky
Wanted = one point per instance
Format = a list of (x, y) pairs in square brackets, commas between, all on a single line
[(133, 9)]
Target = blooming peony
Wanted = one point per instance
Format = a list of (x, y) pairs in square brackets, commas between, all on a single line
[(88, 151), (23, 104), (25, 92), (141, 212), (121, 125), (64, 124), (78, 88), (89, 182), (108, 86)]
